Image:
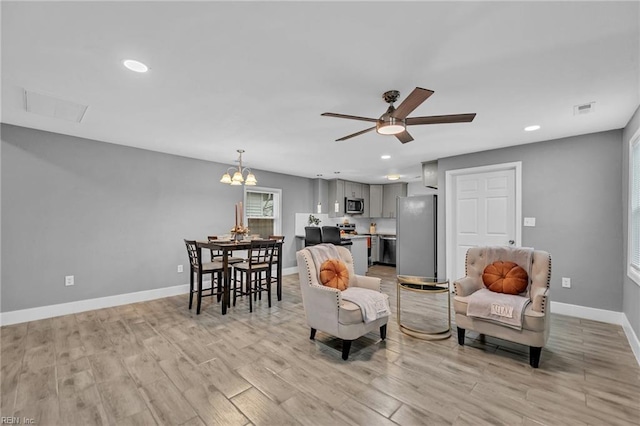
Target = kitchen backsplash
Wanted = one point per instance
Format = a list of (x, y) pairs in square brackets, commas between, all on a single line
[(383, 226)]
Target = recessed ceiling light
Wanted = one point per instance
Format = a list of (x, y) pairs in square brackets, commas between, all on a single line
[(135, 65), (531, 128), (393, 177), (385, 157)]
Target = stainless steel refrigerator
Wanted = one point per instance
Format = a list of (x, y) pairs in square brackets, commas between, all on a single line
[(416, 230)]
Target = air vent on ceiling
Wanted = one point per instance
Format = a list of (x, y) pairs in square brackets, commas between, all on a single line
[(50, 106), (584, 108)]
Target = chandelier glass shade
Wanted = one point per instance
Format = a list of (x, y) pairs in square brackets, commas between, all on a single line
[(238, 174)]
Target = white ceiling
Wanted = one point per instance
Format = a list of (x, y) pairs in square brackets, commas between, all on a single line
[(257, 76)]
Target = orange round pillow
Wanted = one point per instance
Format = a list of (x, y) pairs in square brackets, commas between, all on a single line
[(505, 277), (334, 274)]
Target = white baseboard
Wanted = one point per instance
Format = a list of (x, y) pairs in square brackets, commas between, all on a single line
[(632, 337), (602, 315), (289, 271), (41, 312)]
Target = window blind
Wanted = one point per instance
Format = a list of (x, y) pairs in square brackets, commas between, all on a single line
[(259, 205), (634, 256)]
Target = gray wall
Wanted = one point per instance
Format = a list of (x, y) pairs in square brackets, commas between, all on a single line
[(112, 216), (572, 187), (631, 290)]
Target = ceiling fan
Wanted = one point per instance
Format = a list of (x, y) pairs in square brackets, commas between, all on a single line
[(395, 120)]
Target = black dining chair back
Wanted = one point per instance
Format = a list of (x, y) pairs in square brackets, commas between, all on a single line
[(255, 273), (331, 235), (216, 255), (277, 258), (312, 235), (197, 269)]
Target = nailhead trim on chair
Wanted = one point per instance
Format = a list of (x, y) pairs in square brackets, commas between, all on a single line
[(543, 305), (306, 264), (466, 273)]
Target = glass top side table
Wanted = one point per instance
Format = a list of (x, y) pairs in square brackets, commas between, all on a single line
[(424, 285)]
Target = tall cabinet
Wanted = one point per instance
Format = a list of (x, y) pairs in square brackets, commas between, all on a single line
[(390, 193), (375, 200)]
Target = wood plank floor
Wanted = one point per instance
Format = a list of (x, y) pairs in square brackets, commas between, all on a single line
[(159, 363)]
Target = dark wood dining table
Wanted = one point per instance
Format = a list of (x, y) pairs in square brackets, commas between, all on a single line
[(227, 247)]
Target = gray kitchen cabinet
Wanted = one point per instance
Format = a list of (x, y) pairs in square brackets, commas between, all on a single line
[(390, 193), (352, 189), (375, 200), (336, 195), (375, 247), (360, 258), (366, 201)]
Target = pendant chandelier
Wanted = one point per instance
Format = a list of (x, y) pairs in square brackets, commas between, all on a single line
[(238, 178)]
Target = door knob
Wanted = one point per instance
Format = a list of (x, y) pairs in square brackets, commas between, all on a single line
[(511, 242)]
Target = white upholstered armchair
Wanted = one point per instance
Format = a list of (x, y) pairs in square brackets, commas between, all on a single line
[(535, 323), (327, 311)]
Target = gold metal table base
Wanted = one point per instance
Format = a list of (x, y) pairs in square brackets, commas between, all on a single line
[(421, 334), (424, 285)]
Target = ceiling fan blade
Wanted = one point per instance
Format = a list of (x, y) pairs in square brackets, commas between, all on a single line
[(411, 102), (441, 119), (353, 135), (350, 117), (404, 137)]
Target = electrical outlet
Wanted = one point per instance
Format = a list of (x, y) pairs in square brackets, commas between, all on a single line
[(529, 221), (566, 282), (180, 270), (69, 280)]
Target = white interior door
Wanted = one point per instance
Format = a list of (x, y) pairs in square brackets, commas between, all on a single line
[(483, 208)]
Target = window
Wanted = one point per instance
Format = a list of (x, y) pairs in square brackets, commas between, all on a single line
[(634, 209), (262, 210)]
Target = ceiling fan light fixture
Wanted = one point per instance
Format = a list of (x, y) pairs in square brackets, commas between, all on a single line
[(388, 125)]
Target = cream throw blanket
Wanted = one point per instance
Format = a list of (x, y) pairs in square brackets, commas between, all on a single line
[(373, 304), (323, 252), (521, 256), (507, 309)]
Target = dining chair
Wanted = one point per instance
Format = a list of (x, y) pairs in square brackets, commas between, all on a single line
[(312, 235), (331, 235), (276, 256), (255, 273), (216, 255), (197, 268)]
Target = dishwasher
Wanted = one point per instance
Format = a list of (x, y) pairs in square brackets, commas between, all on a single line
[(388, 249)]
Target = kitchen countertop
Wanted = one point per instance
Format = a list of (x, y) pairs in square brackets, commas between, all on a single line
[(345, 237)]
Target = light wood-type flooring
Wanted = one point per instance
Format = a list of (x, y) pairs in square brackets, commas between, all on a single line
[(159, 363)]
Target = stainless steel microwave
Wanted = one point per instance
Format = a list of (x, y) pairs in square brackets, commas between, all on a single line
[(353, 205)]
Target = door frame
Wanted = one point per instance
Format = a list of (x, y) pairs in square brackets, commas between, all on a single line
[(450, 179)]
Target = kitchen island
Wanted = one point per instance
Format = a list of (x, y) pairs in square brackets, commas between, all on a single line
[(358, 251)]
